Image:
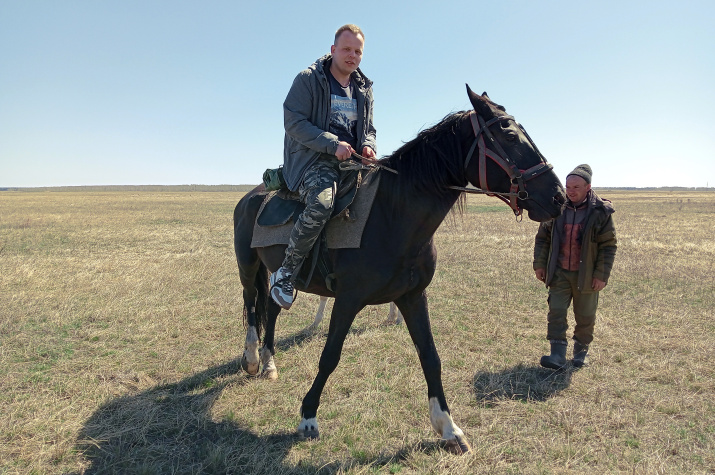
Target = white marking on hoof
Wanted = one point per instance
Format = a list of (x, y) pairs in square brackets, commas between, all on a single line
[(452, 436), (269, 366), (308, 428), (250, 359)]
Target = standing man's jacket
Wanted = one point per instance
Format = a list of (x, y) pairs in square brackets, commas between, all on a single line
[(598, 245), (306, 117)]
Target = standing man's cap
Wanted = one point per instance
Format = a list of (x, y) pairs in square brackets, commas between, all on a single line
[(584, 171)]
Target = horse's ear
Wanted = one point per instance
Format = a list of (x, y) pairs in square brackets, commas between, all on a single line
[(480, 103)]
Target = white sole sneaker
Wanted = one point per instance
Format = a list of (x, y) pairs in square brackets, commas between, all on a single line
[(284, 298)]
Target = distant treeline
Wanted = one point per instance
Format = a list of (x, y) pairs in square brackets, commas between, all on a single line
[(246, 188), (654, 188), (154, 188)]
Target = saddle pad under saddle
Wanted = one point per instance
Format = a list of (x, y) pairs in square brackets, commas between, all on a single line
[(343, 231)]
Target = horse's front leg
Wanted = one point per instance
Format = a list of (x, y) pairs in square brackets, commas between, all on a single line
[(341, 319), (416, 315)]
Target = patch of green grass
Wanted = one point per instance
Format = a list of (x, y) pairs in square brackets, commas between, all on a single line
[(632, 442), (395, 468)]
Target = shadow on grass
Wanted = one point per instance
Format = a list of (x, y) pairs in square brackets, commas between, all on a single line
[(298, 338), (523, 383), (169, 429)]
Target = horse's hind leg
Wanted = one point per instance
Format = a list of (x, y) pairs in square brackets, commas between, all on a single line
[(270, 371), (259, 310), (261, 314), (250, 358), (254, 280), (414, 309)]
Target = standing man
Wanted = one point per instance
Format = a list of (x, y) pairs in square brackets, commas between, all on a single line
[(327, 116), (573, 256)]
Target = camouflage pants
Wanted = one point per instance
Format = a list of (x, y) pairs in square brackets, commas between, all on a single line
[(317, 191), (562, 292)]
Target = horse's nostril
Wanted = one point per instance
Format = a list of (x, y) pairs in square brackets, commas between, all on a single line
[(559, 199)]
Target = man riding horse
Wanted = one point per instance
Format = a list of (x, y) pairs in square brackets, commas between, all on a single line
[(327, 116)]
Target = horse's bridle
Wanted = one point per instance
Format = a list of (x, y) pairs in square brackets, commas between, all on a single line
[(517, 176)]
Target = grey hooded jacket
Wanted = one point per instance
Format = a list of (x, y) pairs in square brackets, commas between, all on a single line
[(306, 117)]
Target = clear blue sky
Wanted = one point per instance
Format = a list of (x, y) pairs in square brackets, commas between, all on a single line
[(191, 92)]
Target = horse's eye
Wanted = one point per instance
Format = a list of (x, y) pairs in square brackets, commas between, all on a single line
[(504, 124)]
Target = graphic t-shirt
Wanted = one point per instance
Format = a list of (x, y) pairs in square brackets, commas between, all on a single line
[(343, 111)]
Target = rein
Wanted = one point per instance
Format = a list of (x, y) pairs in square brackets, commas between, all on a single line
[(371, 163), (518, 177)]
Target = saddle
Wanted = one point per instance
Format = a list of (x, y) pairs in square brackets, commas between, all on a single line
[(280, 210), (284, 205)]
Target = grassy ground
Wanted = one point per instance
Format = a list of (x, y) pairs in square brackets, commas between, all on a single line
[(120, 329)]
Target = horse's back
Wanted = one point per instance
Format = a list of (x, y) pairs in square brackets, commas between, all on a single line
[(247, 207), (244, 216)]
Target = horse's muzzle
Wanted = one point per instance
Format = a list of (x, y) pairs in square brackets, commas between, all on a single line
[(559, 199)]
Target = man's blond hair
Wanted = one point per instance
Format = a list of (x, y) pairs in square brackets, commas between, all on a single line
[(349, 27)]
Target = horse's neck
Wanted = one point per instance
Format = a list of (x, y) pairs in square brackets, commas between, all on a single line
[(429, 216), (422, 205), (416, 218)]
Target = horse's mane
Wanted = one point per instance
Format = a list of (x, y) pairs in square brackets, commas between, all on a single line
[(433, 160)]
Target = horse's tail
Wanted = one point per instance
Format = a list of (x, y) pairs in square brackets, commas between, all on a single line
[(262, 297), (260, 285)]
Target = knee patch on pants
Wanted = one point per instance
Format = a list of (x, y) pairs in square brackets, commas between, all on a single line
[(326, 197)]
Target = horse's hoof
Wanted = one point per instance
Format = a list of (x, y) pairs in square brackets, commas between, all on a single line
[(458, 446), (308, 429), (250, 368), (271, 374), (309, 434)]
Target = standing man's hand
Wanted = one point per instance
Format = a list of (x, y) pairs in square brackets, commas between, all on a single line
[(598, 284), (540, 274), (344, 151)]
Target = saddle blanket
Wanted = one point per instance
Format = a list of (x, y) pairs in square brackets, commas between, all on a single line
[(343, 231)]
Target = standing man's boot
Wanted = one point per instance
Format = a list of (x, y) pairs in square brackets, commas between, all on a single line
[(557, 358), (579, 354)]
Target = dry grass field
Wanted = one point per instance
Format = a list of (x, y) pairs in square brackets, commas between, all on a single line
[(120, 333)]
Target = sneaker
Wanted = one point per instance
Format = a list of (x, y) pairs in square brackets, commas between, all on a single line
[(282, 290)]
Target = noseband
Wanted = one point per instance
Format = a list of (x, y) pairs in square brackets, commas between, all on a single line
[(518, 177)]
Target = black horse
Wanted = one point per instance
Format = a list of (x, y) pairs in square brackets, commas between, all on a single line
[(396, 261)]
